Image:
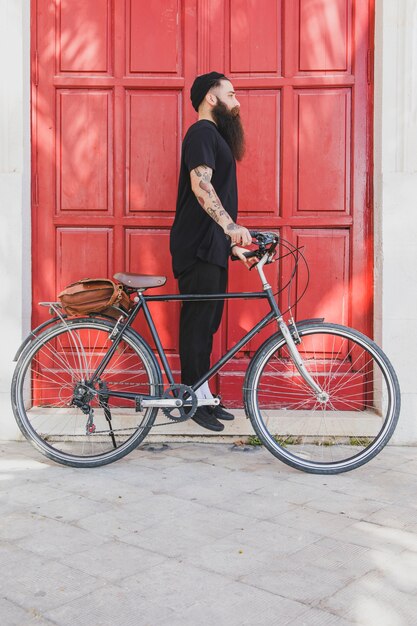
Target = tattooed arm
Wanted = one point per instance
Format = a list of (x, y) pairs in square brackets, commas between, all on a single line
[(210, 201)]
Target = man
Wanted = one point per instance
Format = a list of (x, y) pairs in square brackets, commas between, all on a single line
[(205, 228)]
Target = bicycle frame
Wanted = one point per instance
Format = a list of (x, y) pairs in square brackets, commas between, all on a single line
[(142, 304)]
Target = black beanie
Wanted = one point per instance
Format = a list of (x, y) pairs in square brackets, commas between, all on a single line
[(201, 85)]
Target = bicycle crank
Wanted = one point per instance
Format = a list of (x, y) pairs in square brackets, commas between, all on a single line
[(189, 403)]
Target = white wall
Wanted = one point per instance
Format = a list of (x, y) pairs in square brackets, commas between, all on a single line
[(395, 187), (14, 194)]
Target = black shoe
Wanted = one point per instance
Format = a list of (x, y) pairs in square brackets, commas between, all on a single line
[(206, 419), (220, 413)]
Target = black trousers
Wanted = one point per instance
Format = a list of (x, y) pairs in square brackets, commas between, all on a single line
[(199, 320)]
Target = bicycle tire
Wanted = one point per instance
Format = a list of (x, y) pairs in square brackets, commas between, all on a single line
[(44, 380), (331, 437)]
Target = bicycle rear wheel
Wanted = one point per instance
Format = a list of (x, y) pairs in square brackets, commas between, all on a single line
[(328, 436), (55, 365)]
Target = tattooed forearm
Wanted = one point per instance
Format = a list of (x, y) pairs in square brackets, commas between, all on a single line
[(207, 196), (206, 186), (213, 214), (204, 172), (215, 200)]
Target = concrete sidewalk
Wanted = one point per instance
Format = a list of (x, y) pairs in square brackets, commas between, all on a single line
[(190, 534)]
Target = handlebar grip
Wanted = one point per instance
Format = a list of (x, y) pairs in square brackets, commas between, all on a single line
[(248, 255)]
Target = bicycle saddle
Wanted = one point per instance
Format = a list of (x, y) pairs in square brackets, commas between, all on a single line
[(140, 281)]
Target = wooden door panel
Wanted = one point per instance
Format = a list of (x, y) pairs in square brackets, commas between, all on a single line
[(324, 35), (323, 150), (152, 152), (83, 36), (93, 257), (154, 36), (259, 171), (255, 37), (327, 254), (84, 155)]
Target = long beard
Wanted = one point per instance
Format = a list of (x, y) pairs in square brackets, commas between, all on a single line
[(230, 127)]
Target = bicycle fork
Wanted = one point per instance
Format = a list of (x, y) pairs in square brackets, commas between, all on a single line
[(321, 395)]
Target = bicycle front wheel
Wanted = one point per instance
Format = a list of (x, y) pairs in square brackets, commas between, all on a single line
[(344, 429), (54, 368)]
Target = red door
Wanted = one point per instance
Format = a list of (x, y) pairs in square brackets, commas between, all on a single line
[(110, 105)]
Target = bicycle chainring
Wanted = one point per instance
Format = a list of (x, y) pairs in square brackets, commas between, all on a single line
[(181, 392)]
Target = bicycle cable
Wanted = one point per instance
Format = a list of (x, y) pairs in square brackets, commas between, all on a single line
[(296, 253)]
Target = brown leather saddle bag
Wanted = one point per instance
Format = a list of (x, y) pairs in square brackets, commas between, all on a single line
[(94, 295)]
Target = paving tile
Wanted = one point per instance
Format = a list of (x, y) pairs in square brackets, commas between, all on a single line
[(395, 457), (173, 540), (398, 569), (407, 466), (307, 584), (202, 479), (113, 561), (21, 461), (236, 559), (160, 508), (284, 490), (59, 537), (374, 488), (319, 522), (37, 584), (213, 494), (101, 489), (373, 599), (352, 507), (10, 552), (131, 473), (316, 617), (396, 516), (329, 553), (114, 523), (182, 584), (391, 540), (241, 605), (31, 493), (111, 605), (22, 523), (256, 506), (13, 615), (281, 538), (70, 508)]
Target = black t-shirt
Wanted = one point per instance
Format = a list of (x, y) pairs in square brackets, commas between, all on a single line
[(194, 234)]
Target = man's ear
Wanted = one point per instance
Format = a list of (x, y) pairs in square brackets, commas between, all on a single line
[(211, 98)]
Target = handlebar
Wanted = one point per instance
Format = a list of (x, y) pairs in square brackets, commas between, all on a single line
[(263, 239)]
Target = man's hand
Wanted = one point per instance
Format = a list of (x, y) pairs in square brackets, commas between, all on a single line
[(238, 234), (239, 253)]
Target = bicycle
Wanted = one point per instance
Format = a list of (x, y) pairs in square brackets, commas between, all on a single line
[(321, 397)]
